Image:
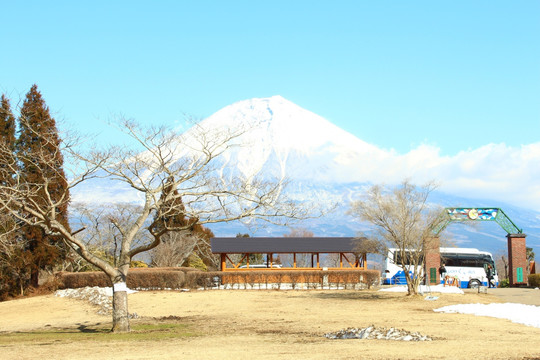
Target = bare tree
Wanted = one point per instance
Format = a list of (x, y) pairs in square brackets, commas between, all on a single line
[(204, 250), (501, 263), (101, 236), (175, 248), (403, 220), (171, 165), (302, 260), (15, 262)]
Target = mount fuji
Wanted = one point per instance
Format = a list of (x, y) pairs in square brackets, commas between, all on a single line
[(326, 163), (296, 141)]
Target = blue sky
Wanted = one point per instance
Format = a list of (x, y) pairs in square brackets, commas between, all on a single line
[(455, 75)]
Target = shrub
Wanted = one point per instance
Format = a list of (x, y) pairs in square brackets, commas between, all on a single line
[(351, 278), (504, 283), (534, 280), (182, 269), (312, 279), (196, 262), (138, 264), (294, 277), (77, 280), (176, 278), (203, 279), (141, 278), (164, 279), (252, 279)]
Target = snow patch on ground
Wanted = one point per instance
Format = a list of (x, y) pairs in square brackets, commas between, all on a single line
[(98, 296), (519, 313), (423, 289)]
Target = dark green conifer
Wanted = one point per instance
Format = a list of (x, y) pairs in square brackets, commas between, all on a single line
[(172, 215), (41, 163), (14, 272), (7, 123), (7, 139)]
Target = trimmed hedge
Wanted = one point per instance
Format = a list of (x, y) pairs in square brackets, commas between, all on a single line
[(141, 278), (75, 280), (309, 278), (182, 269), (534, 280), (178, 278), (165, 279)]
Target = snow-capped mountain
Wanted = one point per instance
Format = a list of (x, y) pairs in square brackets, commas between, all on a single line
[(299, 143), (324, 162)]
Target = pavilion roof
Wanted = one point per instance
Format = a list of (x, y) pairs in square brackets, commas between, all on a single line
[(287, 245)]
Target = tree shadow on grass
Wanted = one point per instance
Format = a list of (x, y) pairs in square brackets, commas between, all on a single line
[(350, 295), (88, 330)]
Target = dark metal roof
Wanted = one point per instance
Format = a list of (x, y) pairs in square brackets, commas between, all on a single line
[(288, 245)]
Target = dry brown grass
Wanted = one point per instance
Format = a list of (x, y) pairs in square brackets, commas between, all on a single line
[(269, 325)]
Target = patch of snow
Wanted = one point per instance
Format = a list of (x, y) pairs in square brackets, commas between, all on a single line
[(99, 296), (519, 313), (423, 289)]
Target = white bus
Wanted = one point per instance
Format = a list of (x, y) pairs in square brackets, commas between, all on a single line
[(467, 265)]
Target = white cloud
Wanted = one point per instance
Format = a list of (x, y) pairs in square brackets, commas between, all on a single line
[(493, 171)]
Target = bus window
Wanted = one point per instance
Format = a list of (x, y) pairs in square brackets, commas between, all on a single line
[(399, 259), (466, 260)]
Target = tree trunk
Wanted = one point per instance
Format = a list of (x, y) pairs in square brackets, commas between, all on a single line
[(34, 278), (120, 308), (411, 289), (412, 283)]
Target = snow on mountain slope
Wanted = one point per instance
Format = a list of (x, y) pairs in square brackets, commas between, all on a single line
[(285, 137)]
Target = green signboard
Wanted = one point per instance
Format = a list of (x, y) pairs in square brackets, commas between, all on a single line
[(519, 272), (432, 275)]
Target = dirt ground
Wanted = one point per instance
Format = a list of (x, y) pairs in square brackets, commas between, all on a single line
[(272, 325)]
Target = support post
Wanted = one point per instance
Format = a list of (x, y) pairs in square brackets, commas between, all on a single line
[(432, 260), (223, 262), (517, 259)]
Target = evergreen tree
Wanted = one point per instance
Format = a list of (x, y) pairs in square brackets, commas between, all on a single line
[(173, 215), (7, 138), (14, 272), (172, 212), (7, 125), (41, 165)]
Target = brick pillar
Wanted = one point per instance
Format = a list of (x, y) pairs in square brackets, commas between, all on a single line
[(433, 260), (517, 258)]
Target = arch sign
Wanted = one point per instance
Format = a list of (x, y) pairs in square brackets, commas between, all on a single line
[(450, 215), (517, 259)]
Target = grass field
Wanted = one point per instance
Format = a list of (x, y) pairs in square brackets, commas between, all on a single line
[(259, 325)]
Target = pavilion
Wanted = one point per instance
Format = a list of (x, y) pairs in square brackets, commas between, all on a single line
[(346, 247)]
